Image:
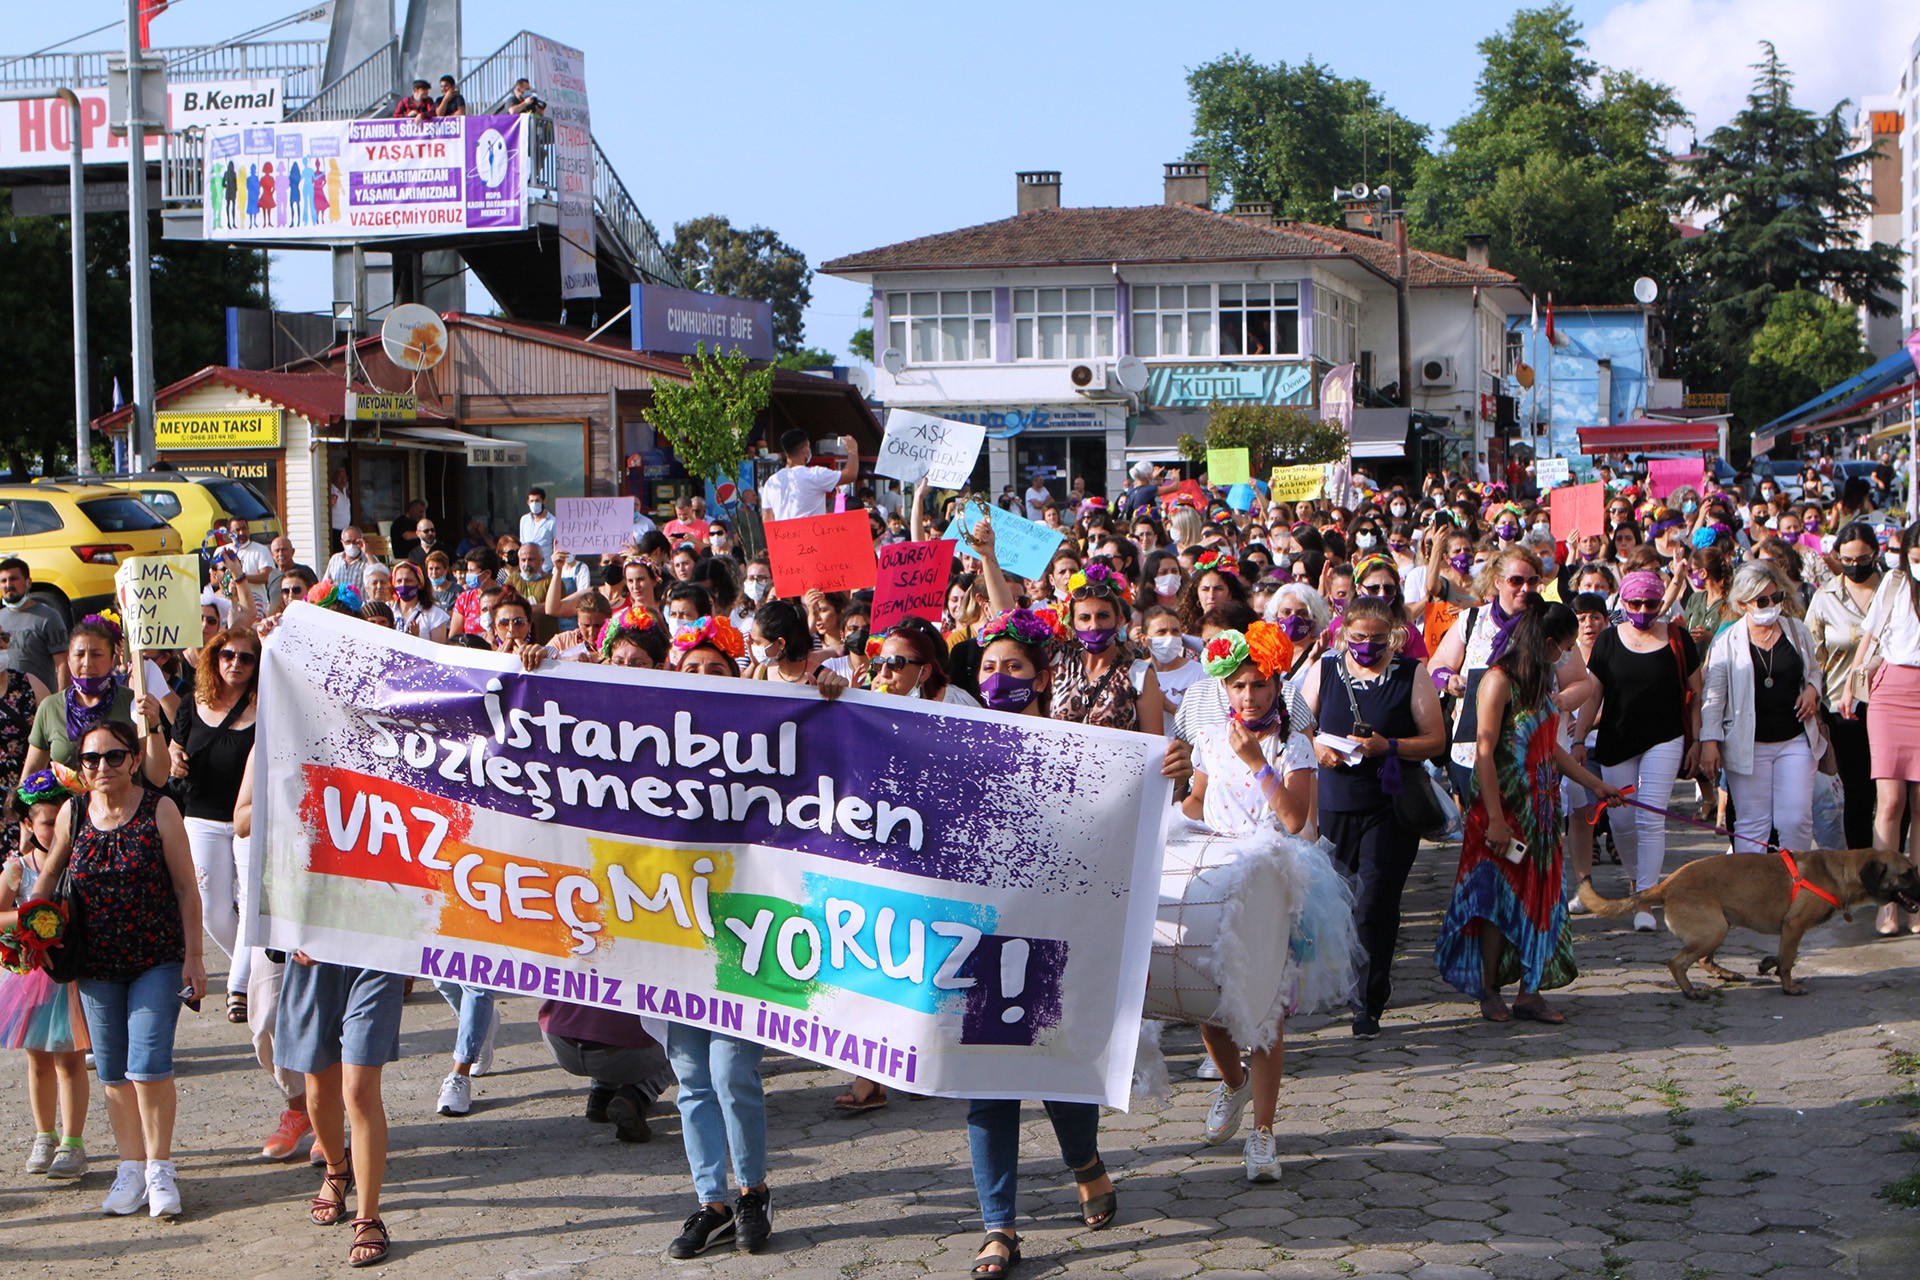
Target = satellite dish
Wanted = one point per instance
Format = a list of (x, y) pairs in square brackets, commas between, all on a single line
[(414, 337), (862, 380), (1645, 290), (1132, 373), (893, 360)]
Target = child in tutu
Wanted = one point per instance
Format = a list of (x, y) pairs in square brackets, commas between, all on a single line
[(36, 1013)]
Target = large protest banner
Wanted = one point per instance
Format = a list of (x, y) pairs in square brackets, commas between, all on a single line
[(362, 179), (948, 900), (560, 77)]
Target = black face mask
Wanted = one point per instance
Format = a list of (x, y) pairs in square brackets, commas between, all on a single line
[(1860, 572)]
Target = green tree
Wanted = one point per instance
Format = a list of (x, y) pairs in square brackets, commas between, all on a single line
[(714, 255), (1808, 343), (800, 359), (1559, 162), (861, 343), (1290, 135), (193, 284), (709, 419), (1274, 435), (1784, 202)]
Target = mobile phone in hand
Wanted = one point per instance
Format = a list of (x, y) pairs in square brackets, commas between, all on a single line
[(1516, 850), (188, 999)]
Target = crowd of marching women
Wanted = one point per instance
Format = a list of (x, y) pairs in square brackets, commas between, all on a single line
[(1334, 682)]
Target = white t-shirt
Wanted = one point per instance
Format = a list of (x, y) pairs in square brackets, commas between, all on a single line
[(1037, 499), (1892, 621), (794, 492), (1235, 804)]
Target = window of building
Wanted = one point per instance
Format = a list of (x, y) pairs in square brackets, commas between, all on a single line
[(1259, 319), (1336, 326), (1062, 324), (1172, 320), (943, 326)]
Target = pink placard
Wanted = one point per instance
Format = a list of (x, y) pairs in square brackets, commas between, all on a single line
[(912, 582), (1580, 507), (1664, 475)]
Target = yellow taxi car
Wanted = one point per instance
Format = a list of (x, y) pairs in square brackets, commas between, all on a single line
[(193, 501), (73, 537)]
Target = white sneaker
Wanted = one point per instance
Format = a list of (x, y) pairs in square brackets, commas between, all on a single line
[(40, 1155), (456, 1095), (1575, 907), (1263, 1157), (1223, 1117), (129, 1189), (483, 1061), (1208, 1069), (163, 1194), (1643, 922)]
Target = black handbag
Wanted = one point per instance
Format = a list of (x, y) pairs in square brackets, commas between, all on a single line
[(1417, 808), (65, 961)]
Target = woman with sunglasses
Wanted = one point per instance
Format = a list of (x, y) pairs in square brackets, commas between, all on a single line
[(211, 740), (1650, 681), (1367, 691), (1092, 676), (294, 585), (1838, 613), (1375, 576), (414, 610), (1887, 661), (1759, 711), (1507, 922), (511, 623), (912, 663), (132, 878)]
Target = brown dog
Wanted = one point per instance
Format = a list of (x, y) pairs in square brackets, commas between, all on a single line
[(1756, 891)]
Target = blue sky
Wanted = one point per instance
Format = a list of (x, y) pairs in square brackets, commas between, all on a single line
[(851, 125)]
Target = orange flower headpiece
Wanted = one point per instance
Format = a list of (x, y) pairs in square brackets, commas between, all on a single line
[(717, 632), (1264, 644)]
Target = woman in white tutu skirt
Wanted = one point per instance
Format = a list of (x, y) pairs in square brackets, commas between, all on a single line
[(1255, 921)]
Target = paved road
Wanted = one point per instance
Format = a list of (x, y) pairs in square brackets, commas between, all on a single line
[(1648, 1139)]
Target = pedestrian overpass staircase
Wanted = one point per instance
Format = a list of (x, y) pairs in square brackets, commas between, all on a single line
[(520, 270)]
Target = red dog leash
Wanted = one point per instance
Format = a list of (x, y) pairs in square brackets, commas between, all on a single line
[(1786, 855)]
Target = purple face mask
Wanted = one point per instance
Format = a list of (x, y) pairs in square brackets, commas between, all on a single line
[(1096, 640), (1507, 532), (1696, 580), (1640, 620), (405, 590), (1007, 693), (1296, 627), (1367, 652), (93, 686), (1461, 561)]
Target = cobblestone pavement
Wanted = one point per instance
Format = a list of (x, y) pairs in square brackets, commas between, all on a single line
[(1648, 1139)]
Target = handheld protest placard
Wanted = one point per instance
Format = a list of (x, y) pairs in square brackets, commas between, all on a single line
[(912, 582), (1664, 475), (940, 449), (1228, 467), (1580, 506), (592, 526), (827, 553), (1024, 547)]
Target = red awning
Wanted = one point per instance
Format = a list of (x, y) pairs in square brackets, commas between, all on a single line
[(1644, 437)]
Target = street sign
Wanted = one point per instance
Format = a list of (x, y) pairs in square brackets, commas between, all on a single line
[(386, 406)]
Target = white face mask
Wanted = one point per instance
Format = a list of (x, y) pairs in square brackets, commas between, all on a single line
[(1913, 570), (757, 589), (1167, 583), (1892, 559), (1399, 511), (1765, 617), (1365, 541), (486, 620), (762, 654), (536, 507), (1166, 648), (353, 550)]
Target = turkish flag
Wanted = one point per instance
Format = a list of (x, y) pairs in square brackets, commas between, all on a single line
[(149, 10)]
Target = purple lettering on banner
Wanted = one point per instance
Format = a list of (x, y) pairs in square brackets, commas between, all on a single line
[(495, 191), (287, 146), (224, 146), (257, 142)]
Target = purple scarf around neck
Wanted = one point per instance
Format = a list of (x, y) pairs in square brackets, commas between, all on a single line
[(1503, 623), (82, 719)]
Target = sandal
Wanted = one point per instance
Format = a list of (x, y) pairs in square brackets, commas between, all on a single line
[(853, 1100), (237, 1008), (364, 1252), (328, 1212), (992, 1265), (1538, 1011), (1098, 1212), (1494, 1009)]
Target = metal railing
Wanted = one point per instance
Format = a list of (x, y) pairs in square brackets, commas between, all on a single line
[(183, 168), (297, 62), (366, 88)]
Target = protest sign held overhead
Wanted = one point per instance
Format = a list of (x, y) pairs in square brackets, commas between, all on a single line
[(1664, 475), (912, 582), (1023, 547), (917, 444), (833, 552), (1548, 472), (1227, 466), (1581, 507), (943, 899), (1297, 484), (592, 526), (159, 599)]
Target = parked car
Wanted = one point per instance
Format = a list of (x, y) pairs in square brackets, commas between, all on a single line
[(191, 501), (73, 537)]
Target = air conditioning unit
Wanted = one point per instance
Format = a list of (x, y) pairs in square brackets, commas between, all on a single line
[(1436, 371), (1088, 377)]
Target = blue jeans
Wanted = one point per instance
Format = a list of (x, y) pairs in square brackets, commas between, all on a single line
[(475, 1007), (132, 1023), (993, 1138), (723, 1107)]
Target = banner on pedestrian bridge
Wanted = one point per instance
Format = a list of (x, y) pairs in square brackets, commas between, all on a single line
[(957, 902)]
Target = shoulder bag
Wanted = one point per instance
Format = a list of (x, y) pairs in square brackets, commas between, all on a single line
[(1417, 807)]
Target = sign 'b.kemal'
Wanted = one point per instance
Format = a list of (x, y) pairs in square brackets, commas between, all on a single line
[(948, 900)]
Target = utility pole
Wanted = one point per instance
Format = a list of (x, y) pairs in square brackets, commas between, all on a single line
[(139, 258), (1404, 310)]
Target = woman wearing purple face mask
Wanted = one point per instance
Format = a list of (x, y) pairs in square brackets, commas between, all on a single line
[(1650, 680), (1385, 702), (94, 697), (1093, 672), (1303, 614), (414, 610)]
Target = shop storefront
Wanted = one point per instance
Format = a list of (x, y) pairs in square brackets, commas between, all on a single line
[(242, 443)]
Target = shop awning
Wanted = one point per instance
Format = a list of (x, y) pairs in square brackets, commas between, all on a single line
[(1646, 435), (1380, 433), (441, 439), (1879, 377)]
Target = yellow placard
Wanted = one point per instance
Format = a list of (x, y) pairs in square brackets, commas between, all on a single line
[(226, 429), (1228, 466), (1297, 484)]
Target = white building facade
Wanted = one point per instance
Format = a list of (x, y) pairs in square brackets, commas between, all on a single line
[(1022, 324)]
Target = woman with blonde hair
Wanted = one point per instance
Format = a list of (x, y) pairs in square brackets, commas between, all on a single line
[(1186, 525)]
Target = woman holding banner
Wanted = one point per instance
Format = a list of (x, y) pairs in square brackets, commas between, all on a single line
[(1015, 672)]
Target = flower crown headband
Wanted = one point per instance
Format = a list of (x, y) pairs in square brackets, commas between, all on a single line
[(1215, 562), (1026, 626), (327, 592), (1266, 645), (628, 622), (1098, 575), (717, 632), (110, 620), (42, 788)]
